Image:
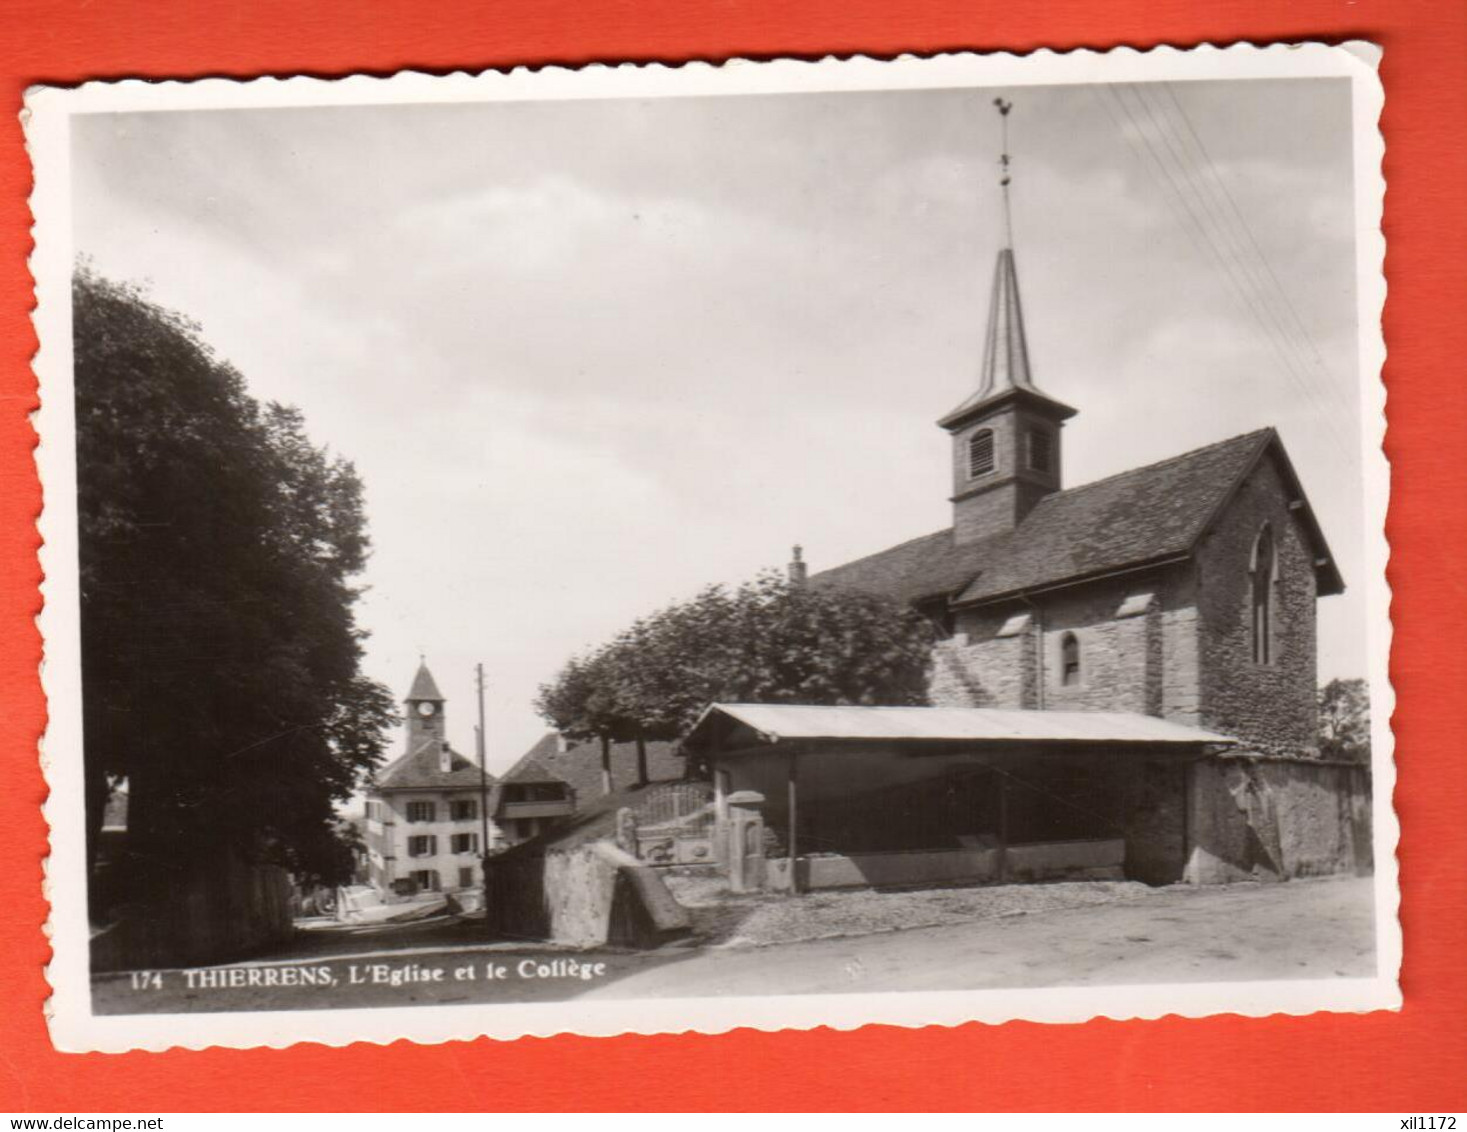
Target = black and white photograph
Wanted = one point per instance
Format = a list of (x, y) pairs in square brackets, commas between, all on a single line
[(777, 545)]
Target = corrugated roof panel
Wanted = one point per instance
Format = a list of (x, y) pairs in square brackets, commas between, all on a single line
[(796, 721)]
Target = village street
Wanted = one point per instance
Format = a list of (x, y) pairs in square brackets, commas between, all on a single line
[(1303, 929)]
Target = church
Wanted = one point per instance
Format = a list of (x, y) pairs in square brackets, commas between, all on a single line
[(1124, 683)]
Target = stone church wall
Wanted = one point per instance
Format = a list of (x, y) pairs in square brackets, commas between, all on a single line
[(1271, 705), (1144, 662)]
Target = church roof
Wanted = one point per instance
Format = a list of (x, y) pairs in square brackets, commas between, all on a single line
[(1006, 370), (1144, 516), (421, 769), (424, 686)]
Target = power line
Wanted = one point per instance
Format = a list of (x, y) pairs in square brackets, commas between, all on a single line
[(1207, 230), (1251, 261)]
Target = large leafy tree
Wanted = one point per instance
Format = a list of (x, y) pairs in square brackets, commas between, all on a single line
[(767, 641), (218, 552), (1344, 720)]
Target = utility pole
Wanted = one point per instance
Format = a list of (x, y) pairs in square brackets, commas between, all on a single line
[(483, 784)]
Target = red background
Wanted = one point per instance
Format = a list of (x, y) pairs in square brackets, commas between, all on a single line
[(1412, 1061)]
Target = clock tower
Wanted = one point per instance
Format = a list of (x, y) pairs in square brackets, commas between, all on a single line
[(424, 709)]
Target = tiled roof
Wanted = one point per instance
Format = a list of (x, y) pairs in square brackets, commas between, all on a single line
[(530, 769), (424, 686), (1145, 515), (580, 765), (421, 770)]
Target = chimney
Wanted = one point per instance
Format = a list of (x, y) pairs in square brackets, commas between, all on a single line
[(562, 745), (445, 757), (798, 571)]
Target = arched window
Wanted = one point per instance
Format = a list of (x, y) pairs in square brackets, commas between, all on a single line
[(1263, 577), (980, 453), (1069, 660)]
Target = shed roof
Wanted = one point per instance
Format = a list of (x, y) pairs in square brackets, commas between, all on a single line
[(1147, 515), (772, 723)]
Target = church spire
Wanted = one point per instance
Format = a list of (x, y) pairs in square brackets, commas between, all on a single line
[(1006, 435), (1005, 366)]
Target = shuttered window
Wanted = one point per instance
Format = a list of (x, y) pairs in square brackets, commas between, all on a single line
[(1041, 450), (980, 453), (465, 843), (421, 811), (422, 846)]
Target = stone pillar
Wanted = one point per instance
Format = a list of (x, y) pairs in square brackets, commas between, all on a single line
[(745, 841)]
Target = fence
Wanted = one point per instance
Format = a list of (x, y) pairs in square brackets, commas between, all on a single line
[(208, 912)]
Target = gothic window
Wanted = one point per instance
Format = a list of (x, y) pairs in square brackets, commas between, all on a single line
[(1041, 450), (1263, 578), (1069, 660), (980, 453)]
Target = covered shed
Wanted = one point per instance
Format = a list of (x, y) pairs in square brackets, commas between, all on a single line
[(905, 795)]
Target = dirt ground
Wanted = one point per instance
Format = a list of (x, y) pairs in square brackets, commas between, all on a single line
[(1301, 930), (1019, 937), (723, 919)]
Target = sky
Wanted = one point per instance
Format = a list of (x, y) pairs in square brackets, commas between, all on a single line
[(589, 356)]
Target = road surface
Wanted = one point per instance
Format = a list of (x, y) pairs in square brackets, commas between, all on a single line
[(1299, 930)]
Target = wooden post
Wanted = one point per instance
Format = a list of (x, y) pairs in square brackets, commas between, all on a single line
[(1003, 828), (605, 765), (794, 849), (641, 760)]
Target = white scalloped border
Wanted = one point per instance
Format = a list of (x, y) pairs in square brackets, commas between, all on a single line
[(72, 1025)]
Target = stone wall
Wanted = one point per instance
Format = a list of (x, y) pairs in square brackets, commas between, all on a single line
[(587, 896), (1270, 705), (1276, 818), (1143, 660)]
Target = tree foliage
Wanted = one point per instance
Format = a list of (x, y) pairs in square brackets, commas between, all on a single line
[(1344, 720), (218, 548), (767, 641)]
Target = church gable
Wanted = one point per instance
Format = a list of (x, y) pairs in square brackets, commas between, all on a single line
[(1260, 571)]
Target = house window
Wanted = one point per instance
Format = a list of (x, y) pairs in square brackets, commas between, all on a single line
[(1041, 450), (1069, 660), (422, 846), (426, 880), (1263, 577), (465, 843), (465, 877), (421, 811), (463, 811), (980, 453)]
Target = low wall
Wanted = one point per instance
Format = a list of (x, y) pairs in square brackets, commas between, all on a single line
[(1272, 819), (1055, 860), (1068, 860), (588, 896), (210, 913)]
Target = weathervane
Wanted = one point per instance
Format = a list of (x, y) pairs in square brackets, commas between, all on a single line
[(1003, 164)]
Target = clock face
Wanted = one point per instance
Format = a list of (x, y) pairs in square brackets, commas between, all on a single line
[(425, 710)]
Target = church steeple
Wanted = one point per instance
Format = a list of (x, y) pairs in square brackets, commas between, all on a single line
[(1006, 435)]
